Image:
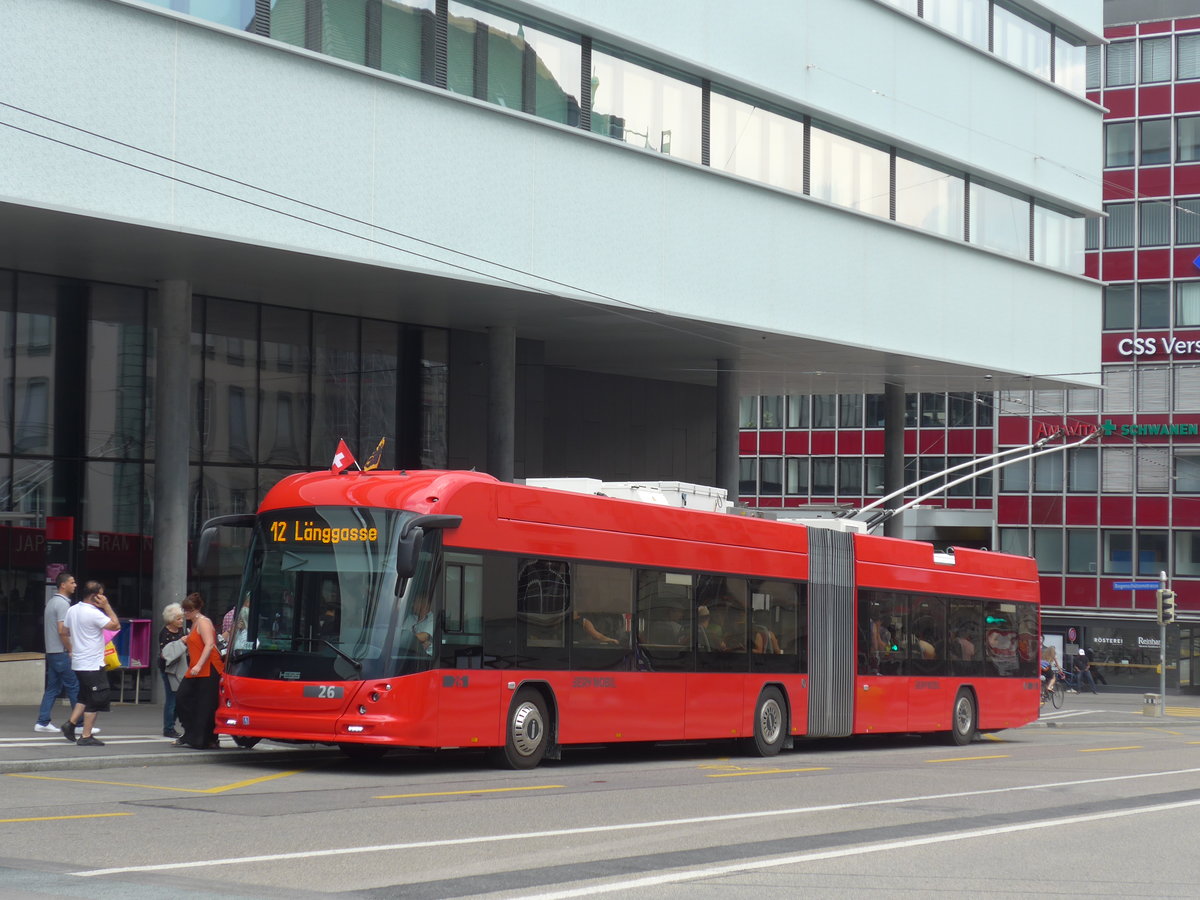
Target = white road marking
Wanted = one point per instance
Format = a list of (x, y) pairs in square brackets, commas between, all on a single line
[(629, 826)]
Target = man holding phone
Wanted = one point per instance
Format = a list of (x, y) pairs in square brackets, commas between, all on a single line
[(86, 623)]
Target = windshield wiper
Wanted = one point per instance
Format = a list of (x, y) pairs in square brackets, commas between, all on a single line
[(335, 648)]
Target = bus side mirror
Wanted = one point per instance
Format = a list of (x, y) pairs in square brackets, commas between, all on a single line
[(208, 533), (407, 551)]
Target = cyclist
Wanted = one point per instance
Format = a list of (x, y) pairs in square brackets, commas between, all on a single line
[(1049, 670)]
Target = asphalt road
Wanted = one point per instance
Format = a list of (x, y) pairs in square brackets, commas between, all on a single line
[(1098, 806)]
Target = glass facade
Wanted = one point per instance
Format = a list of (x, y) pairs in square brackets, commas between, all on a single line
[(507, 59), (272, 391)]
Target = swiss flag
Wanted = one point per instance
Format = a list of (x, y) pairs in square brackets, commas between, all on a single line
[(343, 459)]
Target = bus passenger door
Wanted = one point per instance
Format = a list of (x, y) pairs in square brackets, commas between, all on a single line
[(468, 714)]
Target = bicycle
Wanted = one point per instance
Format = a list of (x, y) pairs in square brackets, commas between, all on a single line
[(1055, 695)]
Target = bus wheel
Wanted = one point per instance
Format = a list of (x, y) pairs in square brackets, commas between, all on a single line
[(527, 731), (963, 719), (245, 743), (770, 722), (363, 752)]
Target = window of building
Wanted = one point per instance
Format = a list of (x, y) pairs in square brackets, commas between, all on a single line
[(1154, 228), (1000, 220), (1187, 388), (771, 411), (1152, 552), (747, 476), (1048, 472), (1119, 147), (1048, 549), (910, 410), (968, 19), (1155, 142), (797, 411), (770, 476), (1119, 67), (929, 198), (1118, 230), (849, 172), (1019, 39), (1153, 470), (1118, 306), (1187, 553), (1154, 305), (1187, 221), (1118, 552), (1057, 239), (1187, 138), (1187, 56), (850, 410), (823, 474), (1070, 63), (645, 108), (824, 411), (1116, 471), (1083, 470), (796, 475), (984, 410), (1014, 478), (1015, 541), (1118, 390), (933, 410), (875, 411), (1083, 400), (849, 476), (748, 412), (1049, 402), (966, 488), (1081, 551), (1156, 59), (1154, 389), (1091, 233), (755, 143), (961, 409), (875, 476), (1014, 403), (1094, 54)]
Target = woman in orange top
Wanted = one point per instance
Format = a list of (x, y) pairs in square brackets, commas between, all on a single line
[(197, 699)]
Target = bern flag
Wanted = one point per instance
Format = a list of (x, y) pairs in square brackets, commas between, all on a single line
[(343, 459)]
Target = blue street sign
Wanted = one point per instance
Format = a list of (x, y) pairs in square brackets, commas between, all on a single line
[(1136, 586)]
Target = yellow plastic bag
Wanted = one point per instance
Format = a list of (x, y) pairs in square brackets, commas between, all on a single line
[(111, 660)]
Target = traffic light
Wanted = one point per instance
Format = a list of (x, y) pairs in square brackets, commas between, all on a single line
[(1166, 607)]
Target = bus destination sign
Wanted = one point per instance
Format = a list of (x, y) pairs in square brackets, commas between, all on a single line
[(295, 531)]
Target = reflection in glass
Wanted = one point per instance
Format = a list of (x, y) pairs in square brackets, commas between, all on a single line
[(639, 106), (968, 19), (999, 221), (1187, 550), (405, 28), (849, 173), (1058, 239), (1070, 65), (435, 383), (929, 198), (1156, 142), (1118, 144), (237, 14), (116, 372), (754, 143), (1020, 41), (227, 408), (6, 360), (380, 381), (283, 387), (335, 384)]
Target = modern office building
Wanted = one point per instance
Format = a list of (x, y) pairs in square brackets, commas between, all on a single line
[(1106, 519), (551, 238)]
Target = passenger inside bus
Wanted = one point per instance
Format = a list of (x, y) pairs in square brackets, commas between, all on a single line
[(585, 632), (765, 640)]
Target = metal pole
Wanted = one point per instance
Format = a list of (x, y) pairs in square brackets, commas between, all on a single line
[(1162, 652)]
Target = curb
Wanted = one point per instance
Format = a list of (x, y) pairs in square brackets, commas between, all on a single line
[(148, 760)]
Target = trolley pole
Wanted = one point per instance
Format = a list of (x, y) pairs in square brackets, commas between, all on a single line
[(1162, 649)]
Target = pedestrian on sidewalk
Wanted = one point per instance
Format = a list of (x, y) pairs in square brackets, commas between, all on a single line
[(1083, 673), (59, 675), (172, 662), (86, 622), (198, 694)]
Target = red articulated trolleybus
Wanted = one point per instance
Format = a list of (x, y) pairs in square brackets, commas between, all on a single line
[(437, 609)]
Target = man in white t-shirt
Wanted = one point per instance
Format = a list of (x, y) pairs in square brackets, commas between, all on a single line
[(86, 623)]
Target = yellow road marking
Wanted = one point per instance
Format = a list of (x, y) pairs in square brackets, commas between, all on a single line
[(1106, 749), (968, 758), (992, 737), (61, 818), (536, 787), (1183, 711), (157, 787), (767, 772)]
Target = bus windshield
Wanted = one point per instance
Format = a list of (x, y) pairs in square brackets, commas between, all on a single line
[(323, 599)]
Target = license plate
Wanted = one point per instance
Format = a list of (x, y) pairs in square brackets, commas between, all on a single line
[(323, 691)]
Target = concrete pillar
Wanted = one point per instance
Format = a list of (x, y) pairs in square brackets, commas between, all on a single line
[(893, 452), (727, 427), (172, 429), (502, 401)]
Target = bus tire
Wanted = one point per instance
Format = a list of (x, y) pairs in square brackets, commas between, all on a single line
[(246, 743), (527, 732), (363, 752), (770, 723), (964, 718)]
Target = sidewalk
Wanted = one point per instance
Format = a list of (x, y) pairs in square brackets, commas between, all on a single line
[(132, 736)]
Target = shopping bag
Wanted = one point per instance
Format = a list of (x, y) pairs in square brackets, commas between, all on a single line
[(111, 660)]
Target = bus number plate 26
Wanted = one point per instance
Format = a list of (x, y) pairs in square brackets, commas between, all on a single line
[(324, 691)]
